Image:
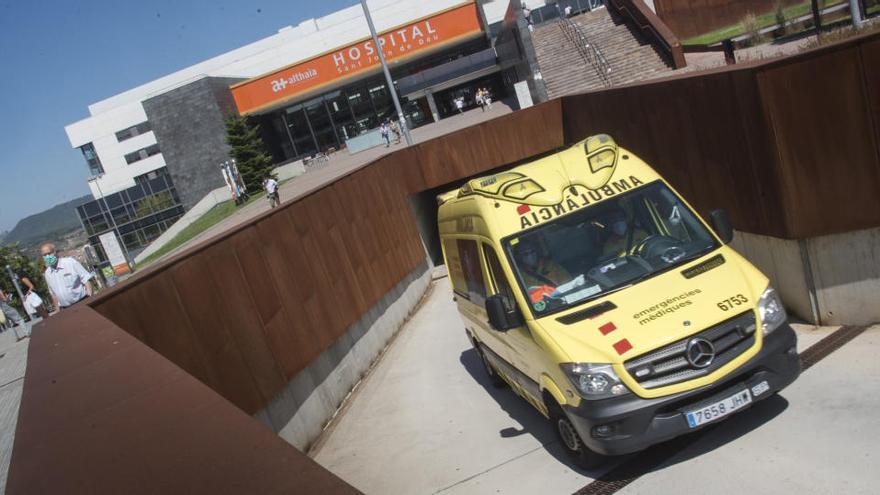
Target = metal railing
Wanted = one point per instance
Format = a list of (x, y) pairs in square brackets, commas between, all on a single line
[(589, 51)]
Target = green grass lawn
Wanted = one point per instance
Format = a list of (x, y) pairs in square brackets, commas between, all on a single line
[(764, 20), (203, 223)]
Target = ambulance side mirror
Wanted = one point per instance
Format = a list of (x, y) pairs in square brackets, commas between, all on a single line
[(500, 317), (721, 224)]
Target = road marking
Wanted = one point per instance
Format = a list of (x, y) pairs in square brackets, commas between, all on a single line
[(648, 460)]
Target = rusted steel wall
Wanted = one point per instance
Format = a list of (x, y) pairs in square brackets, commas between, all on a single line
[(788, 147), (689, 18), (103, 413), (245, 312)]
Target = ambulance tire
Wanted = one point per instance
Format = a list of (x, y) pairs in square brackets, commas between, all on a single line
[(494, 379), (582, 456)]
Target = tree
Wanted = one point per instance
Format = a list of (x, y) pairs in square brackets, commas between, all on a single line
[(23, 267), (249, 152)]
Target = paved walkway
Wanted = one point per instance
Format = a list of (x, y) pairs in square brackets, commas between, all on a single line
[(427, 421), (13, 359), (340, 164)]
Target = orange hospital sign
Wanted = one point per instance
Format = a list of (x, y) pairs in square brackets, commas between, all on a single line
[(397, 43)]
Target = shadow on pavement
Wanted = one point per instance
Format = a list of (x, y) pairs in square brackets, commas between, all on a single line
[(531, 421), (657, 457)]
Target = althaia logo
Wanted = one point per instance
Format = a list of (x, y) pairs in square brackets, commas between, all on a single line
[(402, 40), (280, 84)]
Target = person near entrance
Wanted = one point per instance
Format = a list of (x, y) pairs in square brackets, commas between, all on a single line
[(487, 99), (479, 99), (459, 104), (383, 130), (68, 281), (395, 128), (271, 187)]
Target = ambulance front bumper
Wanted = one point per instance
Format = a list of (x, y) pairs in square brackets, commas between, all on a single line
[(622, 425)]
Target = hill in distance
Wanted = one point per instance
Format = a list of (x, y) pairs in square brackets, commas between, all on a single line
[(50, 224)]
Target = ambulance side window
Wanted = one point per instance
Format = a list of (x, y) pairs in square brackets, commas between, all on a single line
[(498, 278), (454, 267), (472, 269)]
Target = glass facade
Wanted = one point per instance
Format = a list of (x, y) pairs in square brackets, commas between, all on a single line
[(95, 167), (141, 212), (327, 121)]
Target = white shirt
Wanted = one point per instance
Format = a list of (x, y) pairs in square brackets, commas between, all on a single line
[(67, 281), (271, 186)]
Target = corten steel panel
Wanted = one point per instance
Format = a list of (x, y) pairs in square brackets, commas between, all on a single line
[(241, 320), (249, 247), (705, 133), (103, 413), (827, 150), (469, 152), (176, 341), (280, 247), (689, 18), (228, 373), (870, 54)]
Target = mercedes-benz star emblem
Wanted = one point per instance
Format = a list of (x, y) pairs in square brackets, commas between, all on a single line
[(700, 352)]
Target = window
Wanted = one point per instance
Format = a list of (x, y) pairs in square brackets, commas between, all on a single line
[(142, 154), (496, 273), (135, 130), (593, 251), (471, 272), (95, 167)]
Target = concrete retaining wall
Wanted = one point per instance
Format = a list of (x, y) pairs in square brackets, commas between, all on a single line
[(299, 413), (828, 280)]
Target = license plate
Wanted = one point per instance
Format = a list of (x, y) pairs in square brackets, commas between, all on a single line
[(711, 412)]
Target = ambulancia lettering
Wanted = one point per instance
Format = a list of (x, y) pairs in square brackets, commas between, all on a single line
[(529, 217)]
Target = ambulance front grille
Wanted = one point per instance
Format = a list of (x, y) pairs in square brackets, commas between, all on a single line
[(669, 365)]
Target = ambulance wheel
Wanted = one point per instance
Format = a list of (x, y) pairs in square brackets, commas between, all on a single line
[(574, 446), (494, 379)]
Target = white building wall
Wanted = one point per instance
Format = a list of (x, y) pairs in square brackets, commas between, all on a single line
[(290, 45), (101, 132)]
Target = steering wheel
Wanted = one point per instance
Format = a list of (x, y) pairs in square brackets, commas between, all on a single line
[(663, 247)]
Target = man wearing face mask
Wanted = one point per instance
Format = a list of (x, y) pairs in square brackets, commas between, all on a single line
[(68, 281), (540, 274), (618, 236)]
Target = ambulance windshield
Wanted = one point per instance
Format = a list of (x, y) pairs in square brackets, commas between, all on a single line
[(599, 249)]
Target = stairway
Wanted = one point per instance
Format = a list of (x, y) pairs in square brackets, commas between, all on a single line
[(565, 72)]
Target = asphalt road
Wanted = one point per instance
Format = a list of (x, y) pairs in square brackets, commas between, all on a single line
[(426, 420)]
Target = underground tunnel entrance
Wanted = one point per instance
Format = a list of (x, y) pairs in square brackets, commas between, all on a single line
[(424, 206)]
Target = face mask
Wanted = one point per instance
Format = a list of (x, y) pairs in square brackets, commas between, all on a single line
[(50, 259), (619, 227)]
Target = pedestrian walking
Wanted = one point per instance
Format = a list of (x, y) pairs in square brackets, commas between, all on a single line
[(479, 99), (459, 104), (9, 316), (395, 128), (68, 281), (271, 187), (383, 130)]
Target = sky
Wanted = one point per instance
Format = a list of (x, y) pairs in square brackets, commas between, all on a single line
[(60, 56)]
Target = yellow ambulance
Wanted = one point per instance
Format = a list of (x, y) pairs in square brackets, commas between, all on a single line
[(592, 289)]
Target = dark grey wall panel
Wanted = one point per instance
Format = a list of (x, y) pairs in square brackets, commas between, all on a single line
[(188, 124)]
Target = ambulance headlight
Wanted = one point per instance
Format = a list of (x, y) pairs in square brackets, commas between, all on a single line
[(594, 381), (770, 311)]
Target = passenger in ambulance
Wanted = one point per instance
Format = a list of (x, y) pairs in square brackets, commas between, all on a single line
[(539, 273)]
